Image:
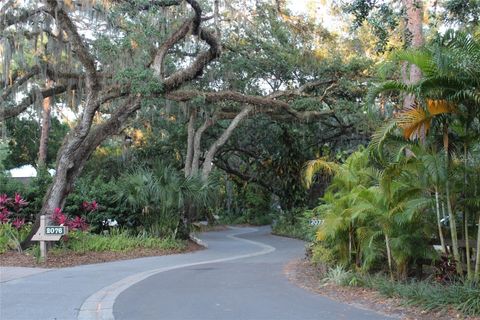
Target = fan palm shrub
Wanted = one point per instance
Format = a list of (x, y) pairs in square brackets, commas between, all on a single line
[(159, 195)]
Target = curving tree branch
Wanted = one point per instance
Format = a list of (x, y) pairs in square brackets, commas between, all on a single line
[(18, 82), (192, 25), (7, 20), (30, 99), (267, 104)]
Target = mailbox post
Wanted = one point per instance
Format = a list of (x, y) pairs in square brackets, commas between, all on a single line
[(48, 233)]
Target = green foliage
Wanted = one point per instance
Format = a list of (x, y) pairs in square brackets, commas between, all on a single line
[(286, 229), (3, 155), (252, 206), (365, 206), (382, 18), (116, 240), (322, 255), (11, 237), (141, 81), (445, 116), (23, 142), (338, 275), (465, 297), (33, 192), (295, 224), (104, 193), (9, 185)]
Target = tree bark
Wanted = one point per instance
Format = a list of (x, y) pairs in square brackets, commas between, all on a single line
[(191, 135), (197, 145), (207, 164), (72, 164), (46, 111), (414, 39), (414, 9)]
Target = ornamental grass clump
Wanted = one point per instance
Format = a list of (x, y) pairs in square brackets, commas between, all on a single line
[(463, 296), (117, 241)]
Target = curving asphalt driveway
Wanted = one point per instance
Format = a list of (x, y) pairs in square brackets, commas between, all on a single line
[(239, 277)]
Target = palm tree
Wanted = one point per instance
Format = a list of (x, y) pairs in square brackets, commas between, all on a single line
[(160, 194), (449, 86)]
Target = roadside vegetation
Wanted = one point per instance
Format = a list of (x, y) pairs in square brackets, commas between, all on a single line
[(360, 137)]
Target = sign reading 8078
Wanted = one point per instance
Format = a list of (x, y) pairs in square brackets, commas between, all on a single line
[(57, 230)]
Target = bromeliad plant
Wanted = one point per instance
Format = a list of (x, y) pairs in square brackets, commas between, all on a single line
[(13, 228), (77, 223)]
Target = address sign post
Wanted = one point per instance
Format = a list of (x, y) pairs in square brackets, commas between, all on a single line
[(48, 233)]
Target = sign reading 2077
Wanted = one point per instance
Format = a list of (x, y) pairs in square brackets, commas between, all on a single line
[(55, 230)]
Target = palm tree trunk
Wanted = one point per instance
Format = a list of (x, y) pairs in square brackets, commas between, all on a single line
[(389, 256), (467, 248), (350, 240), (453, 232), (439, 224), (453, 224), (477, 258), (465, 214), (477, 261)]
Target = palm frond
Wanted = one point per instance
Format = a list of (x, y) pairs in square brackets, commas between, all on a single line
[(312, 167), (421, 58), (382, 133)]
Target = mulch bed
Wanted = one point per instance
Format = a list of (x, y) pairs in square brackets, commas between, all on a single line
[(69, 259), (306, 276)]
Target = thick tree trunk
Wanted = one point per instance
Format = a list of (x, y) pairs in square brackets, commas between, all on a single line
[(70, 164), (46, 111), (414, 39), (207, 164), (414, 9)]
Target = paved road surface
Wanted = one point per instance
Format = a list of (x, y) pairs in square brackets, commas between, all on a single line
[(240, 276)]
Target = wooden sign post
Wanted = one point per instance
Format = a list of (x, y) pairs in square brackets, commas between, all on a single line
[(48, 233)]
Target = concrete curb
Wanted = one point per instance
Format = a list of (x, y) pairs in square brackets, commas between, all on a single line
[(198, 241), (99, 305)]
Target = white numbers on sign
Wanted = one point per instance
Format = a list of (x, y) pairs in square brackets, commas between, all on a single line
[(316, 222), (54, 230)]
